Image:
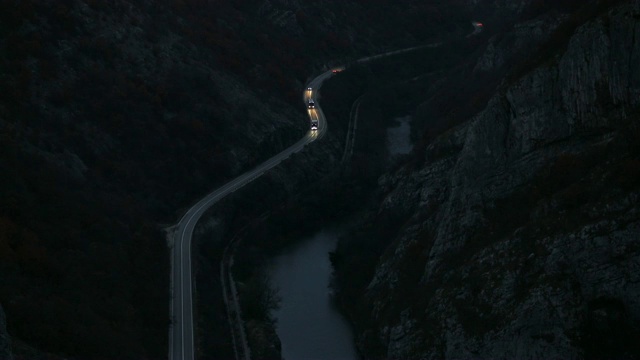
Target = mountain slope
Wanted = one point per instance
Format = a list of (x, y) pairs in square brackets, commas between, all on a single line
[(115, 116), (514, 234)]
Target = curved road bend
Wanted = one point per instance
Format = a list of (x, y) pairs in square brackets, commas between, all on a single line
[(181, 338)]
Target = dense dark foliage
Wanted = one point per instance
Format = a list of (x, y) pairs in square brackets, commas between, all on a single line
[(214, 336), (114, 115), (89, 165)]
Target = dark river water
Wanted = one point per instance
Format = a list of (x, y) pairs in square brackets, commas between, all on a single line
[(308, 325)]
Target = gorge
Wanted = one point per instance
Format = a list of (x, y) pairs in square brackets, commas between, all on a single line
[(510, 229)]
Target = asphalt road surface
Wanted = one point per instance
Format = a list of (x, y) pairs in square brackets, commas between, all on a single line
[(181, 338)]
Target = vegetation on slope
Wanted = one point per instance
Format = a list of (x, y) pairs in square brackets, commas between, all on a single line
[(115, 115)]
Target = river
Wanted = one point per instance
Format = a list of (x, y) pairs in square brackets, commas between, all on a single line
[(309, 326), (399, 136)]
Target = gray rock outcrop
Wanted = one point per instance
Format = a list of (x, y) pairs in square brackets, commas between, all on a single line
[(516, 43), (525, 219)]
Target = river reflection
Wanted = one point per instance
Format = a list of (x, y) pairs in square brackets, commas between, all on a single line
[(308, 325)]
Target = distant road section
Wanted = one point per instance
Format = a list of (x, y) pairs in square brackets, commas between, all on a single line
[(181, 338)]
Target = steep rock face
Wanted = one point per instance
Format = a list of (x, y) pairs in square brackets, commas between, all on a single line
[(5, 340), (504, 48), (525, 218)]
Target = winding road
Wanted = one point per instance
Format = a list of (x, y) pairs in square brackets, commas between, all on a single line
[(181, 337), (181, 331)]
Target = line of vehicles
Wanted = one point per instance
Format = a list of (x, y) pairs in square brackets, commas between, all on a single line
[(312, 105)]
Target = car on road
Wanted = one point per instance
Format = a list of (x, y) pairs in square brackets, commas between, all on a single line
[(309, 89), (314, 125), (335, 71), (311, 104)]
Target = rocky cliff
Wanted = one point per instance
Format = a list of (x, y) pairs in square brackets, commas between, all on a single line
[(518, 231)]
